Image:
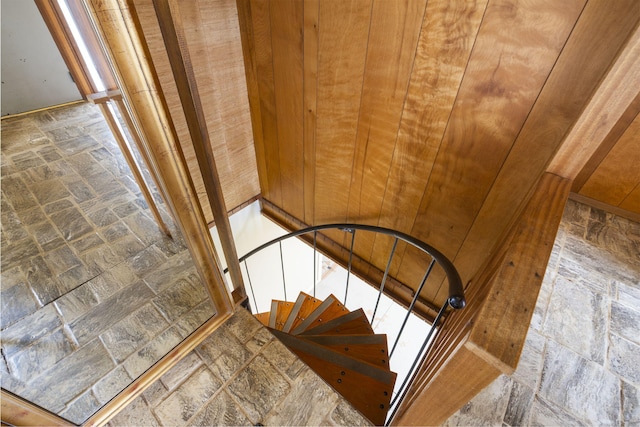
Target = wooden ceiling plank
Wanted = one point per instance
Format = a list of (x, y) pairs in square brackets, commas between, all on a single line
[(287, 46), (261, 22), (395, 28), (517, 47), (444, 46), (619, 173), (342, 47), (310, 104), (601, 30), (631, 203)]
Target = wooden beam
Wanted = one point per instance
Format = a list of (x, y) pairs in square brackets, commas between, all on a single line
[(490, 340), (168, 13), (610, 101)]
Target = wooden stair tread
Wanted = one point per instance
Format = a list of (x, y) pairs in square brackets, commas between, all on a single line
[(263, 318), (304, 306), (330, 309), (280, 311), (353, 323), (369, 348), (367, 387)]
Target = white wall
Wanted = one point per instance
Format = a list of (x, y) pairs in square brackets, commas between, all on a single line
[(34, 74)]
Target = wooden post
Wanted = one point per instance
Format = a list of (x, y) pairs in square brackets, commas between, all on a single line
[(168, 14), (485, 339), (101, 99)]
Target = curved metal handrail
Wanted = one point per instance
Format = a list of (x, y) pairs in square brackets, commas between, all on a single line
[(456, 297)]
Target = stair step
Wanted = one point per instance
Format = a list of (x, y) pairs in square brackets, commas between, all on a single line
[(263, 318), (304, 306), (330, 309), (367, 387), (280, 311), (353, 323), (369, 348)]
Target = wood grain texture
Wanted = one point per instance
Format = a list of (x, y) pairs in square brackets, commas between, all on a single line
[(342, 47), (19, 412), (287, 48), (619, 173), (310, 104)]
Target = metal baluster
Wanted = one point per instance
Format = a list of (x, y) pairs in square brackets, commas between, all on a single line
[(255, 304), (315, 257), (401, 391), (413, 302), (284, 281), (353, 238), (384, 279)]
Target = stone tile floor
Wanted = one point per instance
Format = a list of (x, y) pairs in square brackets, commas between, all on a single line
[(240, 375), (92, 292), (581, 361)]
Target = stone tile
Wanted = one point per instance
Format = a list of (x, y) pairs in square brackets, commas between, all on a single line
[(221, 410), (127, 247), (186, 400), (61, 260), (137, 413), (624, 358), (630, 404), (115, 232), (71, 223), (64, 133), (89, 242), (26, 160), (58, 206), (102, 183), (49, 191), (580, 272), (180, 265), (195, 318), (47, 236), (580, 386), (11, 277), (489, 406), (577, 318), (142, 360), (31, 216), (126, 209), (180, 298), (629, 293), (257, 388), (603, 261), (15, 253), (17, 193), (144, 227), (122, 275), (74, 374), (15, 303), (345, 415), (29, 329), (223, 353), (544, 413), (81, 409), (529, 367), (243, 325), (76, 302), (155, 393), (76, 145), (112, 384), (518, 408), (181, 370), (49, 153), (278, 354), (80, 191), (102, 258), (146, 261), (12, 226), (102, 217), (259, 340), (625, 321), (134, 331), (106, 314), (40, 356), (612, 239), (77, 275), (308, 402)]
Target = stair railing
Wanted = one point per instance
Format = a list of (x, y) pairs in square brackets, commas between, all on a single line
[(455, 299)]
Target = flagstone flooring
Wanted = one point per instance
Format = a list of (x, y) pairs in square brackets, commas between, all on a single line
[(92, 292), (581, 361)]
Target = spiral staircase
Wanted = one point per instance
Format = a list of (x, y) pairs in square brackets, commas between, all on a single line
[(340, 346)]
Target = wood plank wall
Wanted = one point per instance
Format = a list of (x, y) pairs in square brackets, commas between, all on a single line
[(434, 118), (213, 39)]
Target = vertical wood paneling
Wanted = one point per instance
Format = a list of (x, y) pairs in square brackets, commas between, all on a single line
[(568, 89), (261, 22), (446, 39), (310, 81), (342, 47), (499, 89), (287, 48), (619, 173), (395, 27)]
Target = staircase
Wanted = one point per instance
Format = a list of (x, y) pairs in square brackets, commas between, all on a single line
[(340, 347)]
